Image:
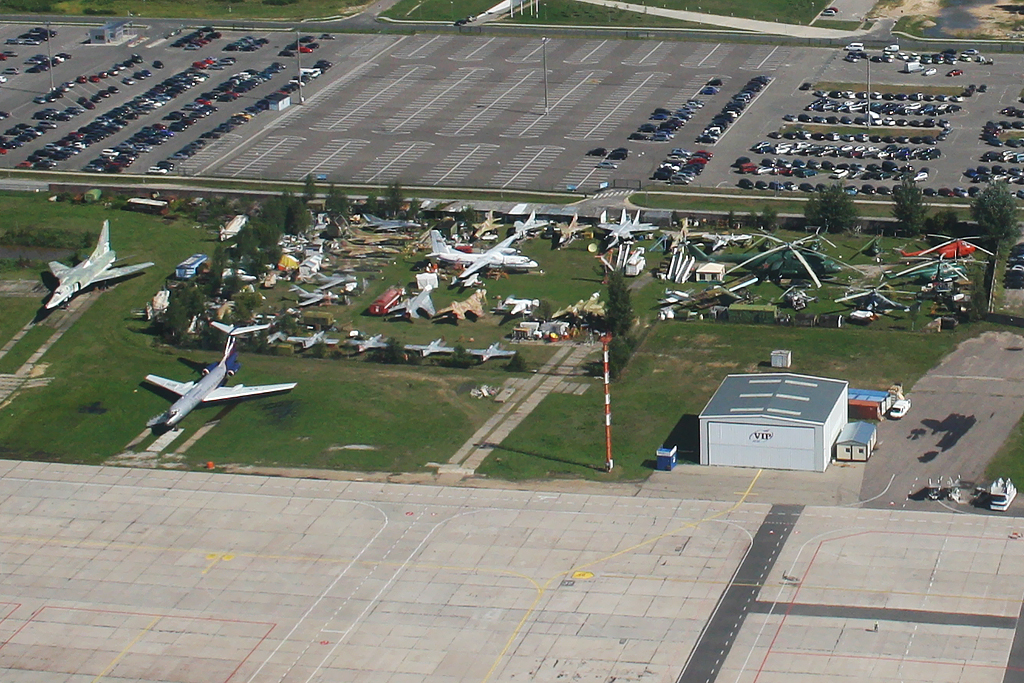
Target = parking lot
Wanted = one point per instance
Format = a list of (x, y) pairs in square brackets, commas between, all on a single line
[(448, 110)]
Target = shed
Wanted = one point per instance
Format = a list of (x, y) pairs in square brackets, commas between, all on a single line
[(856, 442), (709, 272), (753, 313), (112, 33), (279, 101), (773, 420)]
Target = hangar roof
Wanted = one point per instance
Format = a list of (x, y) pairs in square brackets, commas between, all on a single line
[(779, 395)]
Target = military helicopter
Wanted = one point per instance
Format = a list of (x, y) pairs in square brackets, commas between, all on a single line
[(788, 260)]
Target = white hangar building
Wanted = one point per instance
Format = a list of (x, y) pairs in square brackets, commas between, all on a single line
[(773, 420)]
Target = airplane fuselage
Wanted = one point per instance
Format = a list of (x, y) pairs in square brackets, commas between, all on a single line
[(79, 277), (213, 379)]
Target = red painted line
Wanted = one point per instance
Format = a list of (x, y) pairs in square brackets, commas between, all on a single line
[(246, 658)]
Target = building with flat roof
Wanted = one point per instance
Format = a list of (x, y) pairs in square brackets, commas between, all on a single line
[(773, 420), (112, 33)]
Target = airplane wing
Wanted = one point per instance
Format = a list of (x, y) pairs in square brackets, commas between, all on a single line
[(480, 264), (242, 391), (179, 388), (112, 273), (58, 269)]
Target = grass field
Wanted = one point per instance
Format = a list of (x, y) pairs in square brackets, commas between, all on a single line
[(671, 378), (222, 10), (15, 312), (566, 12)]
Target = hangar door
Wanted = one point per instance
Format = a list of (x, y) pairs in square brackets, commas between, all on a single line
[(749, 445)]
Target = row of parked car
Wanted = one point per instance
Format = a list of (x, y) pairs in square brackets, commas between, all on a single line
[(681, 167), (828, 104), (733, 110), (33, 36), (1014, 278), (199, 38), (849, 150), (997, 173), (663, 123)]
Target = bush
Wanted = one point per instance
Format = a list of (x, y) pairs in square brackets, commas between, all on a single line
[(517, 363)]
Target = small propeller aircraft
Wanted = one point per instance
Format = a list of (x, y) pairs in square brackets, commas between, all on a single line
[(513, 306)]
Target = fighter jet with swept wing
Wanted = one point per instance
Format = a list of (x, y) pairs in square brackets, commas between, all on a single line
[(313, 339), (377, 341), (514, 306), (377, 224), (492, 351), (569, 233), (96, 268), (416, 306), (624, 230), (501, 255), (436, 346), (530, 225), (210, 388)]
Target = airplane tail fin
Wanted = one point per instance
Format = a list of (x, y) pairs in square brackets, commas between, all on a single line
[(234, 331), (438, 245), (624, 218), (103, 243), (696, 252), (604, 216)]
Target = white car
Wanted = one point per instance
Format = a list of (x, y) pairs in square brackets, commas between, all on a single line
[(157, 170), (929, 72), (899, 409), (855, 47)]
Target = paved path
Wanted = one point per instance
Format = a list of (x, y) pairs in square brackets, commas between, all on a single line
[(528, 396)]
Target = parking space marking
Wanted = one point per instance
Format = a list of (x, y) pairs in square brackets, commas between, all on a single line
[(214, 152), (524, 168), (261, 157), (379, 93), (645, 56), (587, 176), (459, 164), (766, 58), (529, 53), (389, 165), (699, 59), (477, 50), (369, 49), (592, 52), (437, 99), (612, 112), (416, 49), (330, 157), (475, 119), (560, 98)]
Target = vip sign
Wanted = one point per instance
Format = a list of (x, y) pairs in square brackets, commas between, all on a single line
[(761, 435)]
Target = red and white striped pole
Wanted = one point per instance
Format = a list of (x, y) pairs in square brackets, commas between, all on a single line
[(608, 464)]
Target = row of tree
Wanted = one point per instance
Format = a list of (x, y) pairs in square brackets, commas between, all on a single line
[(994, 209)]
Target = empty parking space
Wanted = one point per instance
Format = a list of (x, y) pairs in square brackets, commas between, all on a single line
[(523, 170), (458, 165), (502, 97), (333, 156), (440, 97), (354, 109), (261, 158), (611, 114), (388, 167)]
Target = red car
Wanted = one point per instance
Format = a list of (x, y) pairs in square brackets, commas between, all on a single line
[(305, 50), (955, 72)]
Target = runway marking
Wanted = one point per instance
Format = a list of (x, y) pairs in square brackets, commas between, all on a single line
[(215, 558), (127, 647), (436, 98), (359, 107), (543, 588), (621, 99), (398, 158), (567, 94), (460, 163), (478, 120)]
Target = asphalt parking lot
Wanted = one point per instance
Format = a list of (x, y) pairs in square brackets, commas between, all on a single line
[(450, 110), (155, 575)]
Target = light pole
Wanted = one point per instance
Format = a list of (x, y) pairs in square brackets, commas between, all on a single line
[(544, 67), (298, 62), (868, 114), (49, 56)]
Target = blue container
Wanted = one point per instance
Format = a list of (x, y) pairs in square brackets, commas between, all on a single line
[(667, 458)]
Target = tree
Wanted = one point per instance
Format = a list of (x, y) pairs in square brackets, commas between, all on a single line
[(185, 303), (831, 209), (309, 189), (944, 222), (517, 363), (392, 354), (619, 312), (337, 203), (619, 353), (393, 201), (995, 209), (908, 207), (768, 219), (371, 205), (459, 358)]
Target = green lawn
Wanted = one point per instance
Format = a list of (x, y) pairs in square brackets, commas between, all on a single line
[(221, 10), (17, 356), (583, 14), (674, 374), (14, 313)]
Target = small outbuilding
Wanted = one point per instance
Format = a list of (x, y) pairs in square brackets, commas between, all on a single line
[(856, 442), (709, 271), (112, 33), (779, 421)]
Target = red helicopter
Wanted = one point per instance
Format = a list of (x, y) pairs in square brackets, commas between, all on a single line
[(950, 249)]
